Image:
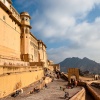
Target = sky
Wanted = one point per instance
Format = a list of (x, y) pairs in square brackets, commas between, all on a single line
[(69, 28)]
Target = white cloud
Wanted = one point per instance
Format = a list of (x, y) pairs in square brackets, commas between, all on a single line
[(56, 20), (59, 17), (87, 35), (25, 3)]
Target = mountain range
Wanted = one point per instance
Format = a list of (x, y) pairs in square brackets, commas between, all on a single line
[(84, 64)]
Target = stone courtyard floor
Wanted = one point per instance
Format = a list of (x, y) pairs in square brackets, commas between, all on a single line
[(52, 92)]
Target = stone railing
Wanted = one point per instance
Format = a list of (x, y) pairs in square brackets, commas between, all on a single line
[(80, 95)]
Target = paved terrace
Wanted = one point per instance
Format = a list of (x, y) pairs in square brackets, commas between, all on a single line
[(52, 92)]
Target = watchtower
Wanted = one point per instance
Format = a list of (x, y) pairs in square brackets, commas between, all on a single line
[(25, 34)]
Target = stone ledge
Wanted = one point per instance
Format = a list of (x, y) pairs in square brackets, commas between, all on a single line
[(95, 95), (80, 95)]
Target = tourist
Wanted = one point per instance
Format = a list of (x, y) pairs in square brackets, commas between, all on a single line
[(66, 95)]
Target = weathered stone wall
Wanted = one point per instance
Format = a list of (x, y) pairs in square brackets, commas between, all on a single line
[(80, 95), (11, 82), (94, 94), (9, 36), (33, 48), (91, 91), (8, 62)]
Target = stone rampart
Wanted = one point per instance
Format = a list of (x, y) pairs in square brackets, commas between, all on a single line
[(93, 93), (9, 83), (80, 95)]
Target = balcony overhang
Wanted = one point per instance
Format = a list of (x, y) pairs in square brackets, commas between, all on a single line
[(15, 19)]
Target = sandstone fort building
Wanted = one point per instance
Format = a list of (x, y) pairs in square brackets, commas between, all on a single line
[(22, 56)]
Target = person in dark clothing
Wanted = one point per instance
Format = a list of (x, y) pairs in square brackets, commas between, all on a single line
[(66, 95)]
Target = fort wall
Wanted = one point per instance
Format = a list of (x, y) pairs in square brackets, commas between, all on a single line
[(17, 80), (10, 33), (22, 56), (93, 93), (80, 95)]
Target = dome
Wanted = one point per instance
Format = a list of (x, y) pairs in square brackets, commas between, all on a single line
[(24, 13)]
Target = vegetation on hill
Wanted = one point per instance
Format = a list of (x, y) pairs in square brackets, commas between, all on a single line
[(84, 64)]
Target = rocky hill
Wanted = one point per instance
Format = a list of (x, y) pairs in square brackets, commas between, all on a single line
[(83, 64)]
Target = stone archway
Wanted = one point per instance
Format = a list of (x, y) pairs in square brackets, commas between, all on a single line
[(73, 77), (73, 71)]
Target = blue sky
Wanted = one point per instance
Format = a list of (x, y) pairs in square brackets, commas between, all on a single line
[(69, 28)]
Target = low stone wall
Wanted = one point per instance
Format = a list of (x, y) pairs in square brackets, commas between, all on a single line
[(94, 94), (80, 95), (64, 76), (11, 83)]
